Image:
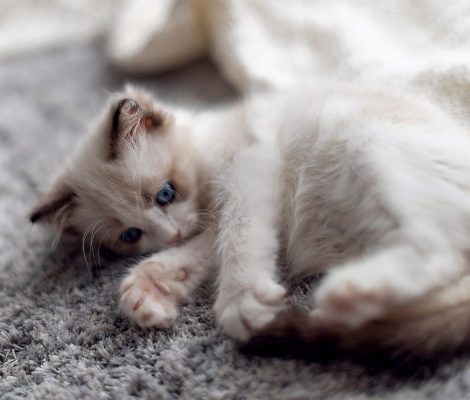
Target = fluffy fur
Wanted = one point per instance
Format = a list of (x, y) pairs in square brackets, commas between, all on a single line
[(370, 186)]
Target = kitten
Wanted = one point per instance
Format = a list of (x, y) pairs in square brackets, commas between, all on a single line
[(370, 186)]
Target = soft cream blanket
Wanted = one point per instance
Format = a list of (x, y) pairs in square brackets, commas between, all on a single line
[(259, 43)]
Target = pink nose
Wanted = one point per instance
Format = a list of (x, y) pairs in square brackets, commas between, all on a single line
[(175, 239)]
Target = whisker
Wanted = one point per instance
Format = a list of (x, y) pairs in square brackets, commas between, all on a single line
[(101, 242), (98, 228), (91, 251), (178, 197), (85, 234)]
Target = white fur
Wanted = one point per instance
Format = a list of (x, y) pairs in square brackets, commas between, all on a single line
[(370, 185)]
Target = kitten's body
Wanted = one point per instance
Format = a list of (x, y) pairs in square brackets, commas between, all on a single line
[(371, 186)]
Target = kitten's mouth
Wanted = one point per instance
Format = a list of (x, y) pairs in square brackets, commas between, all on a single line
[(175, 239)]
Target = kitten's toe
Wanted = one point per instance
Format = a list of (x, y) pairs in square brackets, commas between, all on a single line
[(147, 301), (350, 301), (241, 316)]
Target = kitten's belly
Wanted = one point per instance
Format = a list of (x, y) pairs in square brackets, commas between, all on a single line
[(329, 219), (314, 246), (321, 226)]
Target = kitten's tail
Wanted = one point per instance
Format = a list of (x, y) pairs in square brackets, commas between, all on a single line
[(435, 326)]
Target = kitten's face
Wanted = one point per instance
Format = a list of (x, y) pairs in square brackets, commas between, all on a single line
[(133, 186)]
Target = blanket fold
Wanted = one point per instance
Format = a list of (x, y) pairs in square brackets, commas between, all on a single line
[(265, 43)]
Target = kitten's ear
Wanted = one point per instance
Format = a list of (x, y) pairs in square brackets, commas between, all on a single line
[(133, 115), (55, 205)]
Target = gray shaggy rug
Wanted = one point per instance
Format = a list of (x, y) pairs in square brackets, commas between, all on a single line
[(60, 335)]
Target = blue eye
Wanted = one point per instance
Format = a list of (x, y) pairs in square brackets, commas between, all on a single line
[(131, 235), (166, 195)]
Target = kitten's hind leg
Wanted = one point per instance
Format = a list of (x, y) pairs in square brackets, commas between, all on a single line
[(365, 289), (152, 291)]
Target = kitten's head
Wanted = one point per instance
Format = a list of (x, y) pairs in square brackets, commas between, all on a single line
[(133, 185)]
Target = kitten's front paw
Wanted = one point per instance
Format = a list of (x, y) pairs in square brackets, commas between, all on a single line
[(351, 299), (150, 292), (241, 315)]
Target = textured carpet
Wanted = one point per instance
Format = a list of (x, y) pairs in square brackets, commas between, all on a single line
[(60, 336)]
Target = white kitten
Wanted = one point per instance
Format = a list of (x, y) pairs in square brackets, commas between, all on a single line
[(371, 185)]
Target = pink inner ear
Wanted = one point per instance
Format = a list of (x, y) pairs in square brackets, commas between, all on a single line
[(148, 122)]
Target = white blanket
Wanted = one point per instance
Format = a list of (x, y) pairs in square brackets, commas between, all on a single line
[(259, 43)]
